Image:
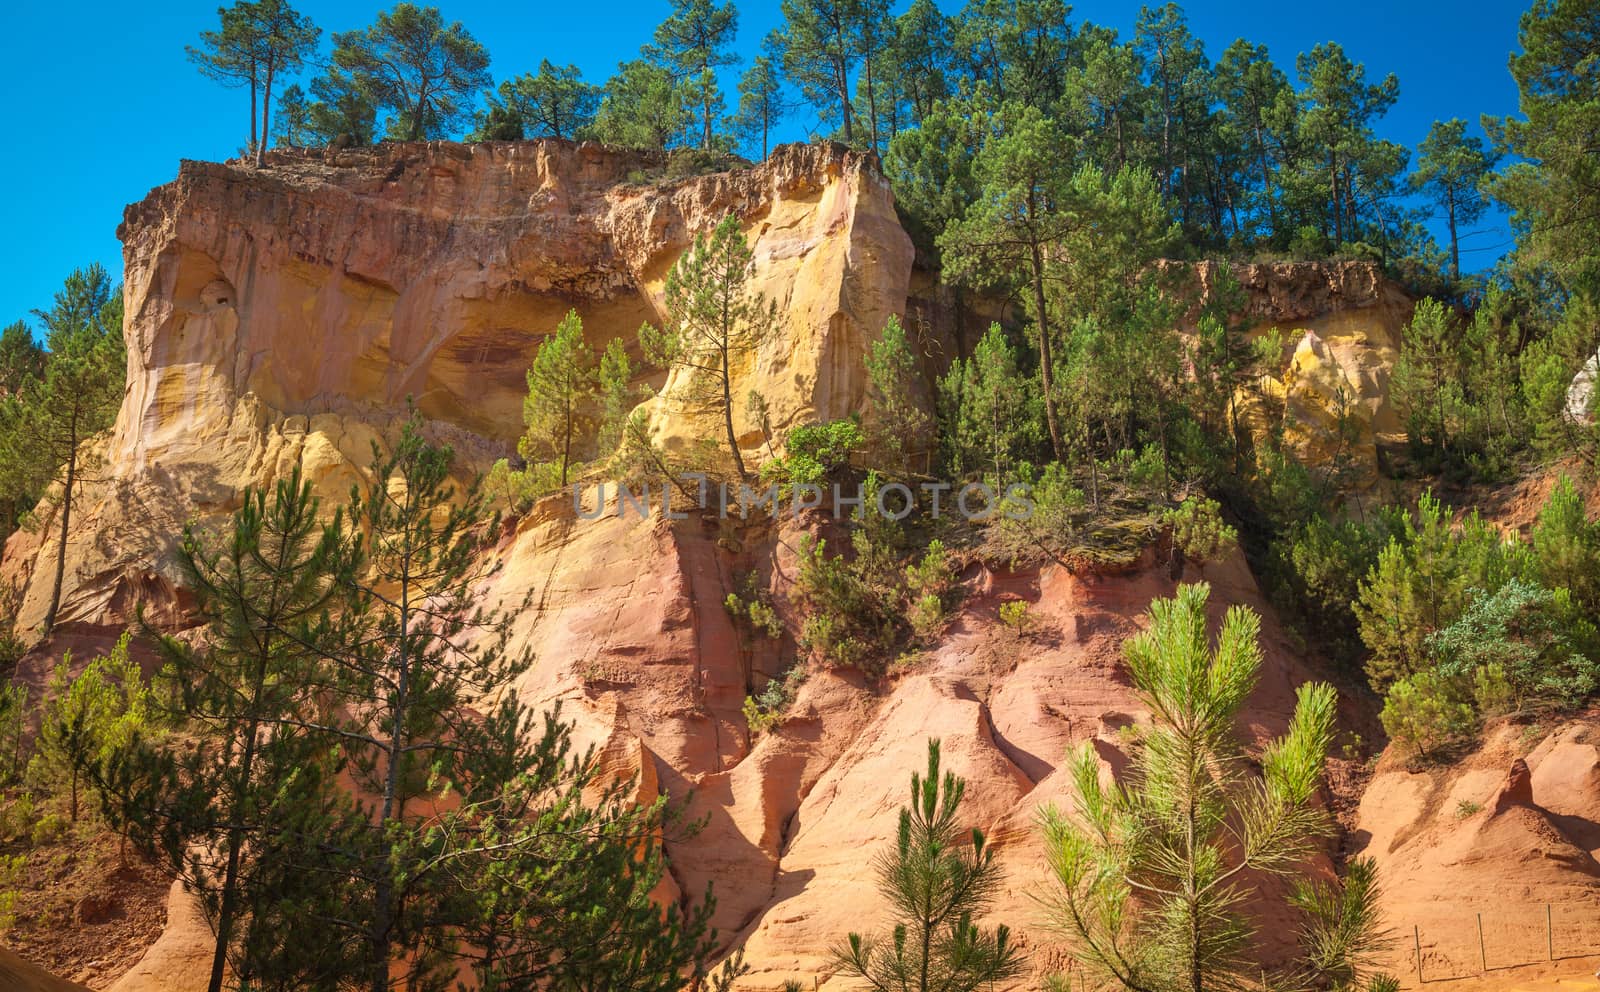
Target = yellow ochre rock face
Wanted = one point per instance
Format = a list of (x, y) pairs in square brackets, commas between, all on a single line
[(285, 316), (330, 284)]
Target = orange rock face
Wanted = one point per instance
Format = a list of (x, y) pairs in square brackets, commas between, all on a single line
[(280, 319)]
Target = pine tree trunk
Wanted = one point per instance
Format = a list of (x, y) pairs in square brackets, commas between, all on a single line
[(1455, 250), (1338, 213), (841, 79), (382, 936), (252, 146), (230, 875), (872, 107), (266, 116), (1046, 362), (66, 524), (727, 415)]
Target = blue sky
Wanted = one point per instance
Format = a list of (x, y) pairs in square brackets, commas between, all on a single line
[(101, 104)]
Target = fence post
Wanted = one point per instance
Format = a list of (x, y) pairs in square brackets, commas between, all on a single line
[(1549, 932), (1416, 937), (1483, 955)]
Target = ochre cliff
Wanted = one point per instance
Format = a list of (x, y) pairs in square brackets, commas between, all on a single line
[(285, 316), (281, 317)]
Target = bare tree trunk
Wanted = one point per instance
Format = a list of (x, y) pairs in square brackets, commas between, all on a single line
[(66, 524), (266, 116), (1046, 361), (1455, 249)]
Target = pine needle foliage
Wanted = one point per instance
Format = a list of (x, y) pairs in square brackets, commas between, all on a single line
[(1150, 876), (715, 322), (937, 878)]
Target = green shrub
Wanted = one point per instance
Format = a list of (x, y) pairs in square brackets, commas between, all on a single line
[(756, 611), (815, 452), (1199, 531), (13, 742), (47, 828), (1060, 509), (1424, 712), (927, 616), (1424, 578), (11, 871), (1566, 546), (17, 816), (1492, 693), (1014, 615), (88, 718), (1540, 643), (683, 163), (764, 711), (519, 489), (1326, 563)]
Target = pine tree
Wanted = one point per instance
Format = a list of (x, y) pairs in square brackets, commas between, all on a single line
[(257, 43), (423, 70), (345, 112), (818, 53), (715, 322), (1551, 186), (561, 387), (1427, 378), (989, 410), (88, 717), (554, 102), (937, 877), (253, 775), (44, 425), (1149, 875), (641, 108), (1339, 107), (761, 103), (894, 413), (293, 125), (230, 55), (1451, 166), (618, 397), (921, 59), (556, 868), (1566, 545), (694, 42), (404, 659), (1013, 228)]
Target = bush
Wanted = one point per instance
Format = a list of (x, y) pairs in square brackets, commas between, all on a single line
[(932, 584), (88, 718), (1425, 712), (767, 710), (519, 489), (1014, 615), (815, 452), (1423, 580), (17, 816), (756, 611), (1492, 693), (1199, 531), (1566, 545), (1327, 562), (1538, 642), (13, 742), (11, 869)]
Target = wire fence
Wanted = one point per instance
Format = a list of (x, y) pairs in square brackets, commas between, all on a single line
[(1470, 944)]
